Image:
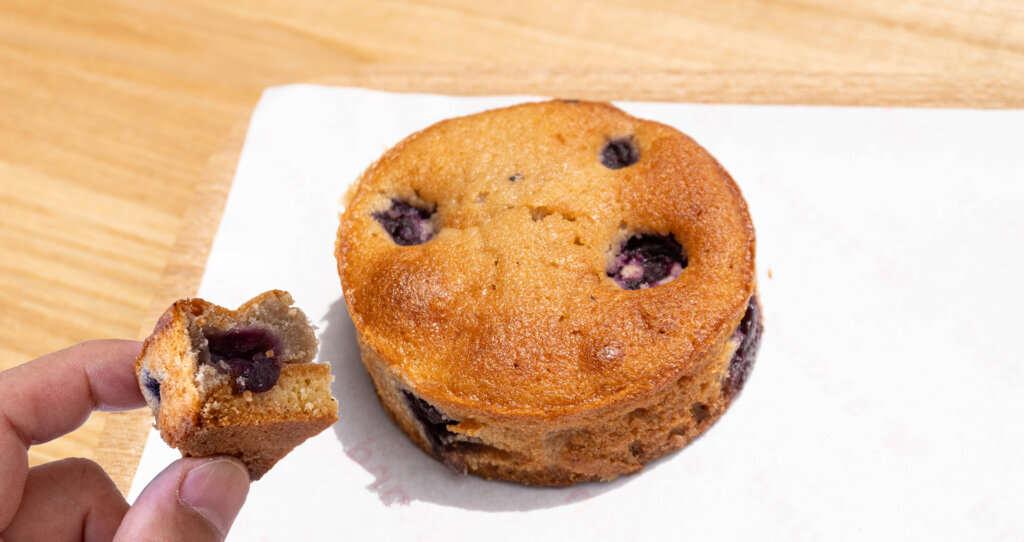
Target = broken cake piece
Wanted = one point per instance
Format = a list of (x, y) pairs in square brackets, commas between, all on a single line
[(239, 383)]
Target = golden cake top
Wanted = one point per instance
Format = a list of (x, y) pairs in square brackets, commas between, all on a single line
[(490, 259)]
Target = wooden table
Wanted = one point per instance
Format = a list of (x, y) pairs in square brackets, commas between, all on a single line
[(121, 121)]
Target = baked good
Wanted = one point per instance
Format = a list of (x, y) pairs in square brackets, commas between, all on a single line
[(551, 293), (239, 383)]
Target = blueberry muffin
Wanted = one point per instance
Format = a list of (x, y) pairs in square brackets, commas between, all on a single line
[(552, 292), (239, 383)]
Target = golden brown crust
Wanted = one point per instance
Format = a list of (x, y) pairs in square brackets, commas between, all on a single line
[(598, 446), (508, 318), (197, 409)]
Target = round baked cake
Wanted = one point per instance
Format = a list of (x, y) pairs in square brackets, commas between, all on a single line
[(552, 292)]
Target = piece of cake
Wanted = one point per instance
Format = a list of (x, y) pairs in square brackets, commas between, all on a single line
[(552, 292), (239, 383)]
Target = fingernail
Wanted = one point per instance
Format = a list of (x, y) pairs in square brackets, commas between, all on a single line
[(216, 489)]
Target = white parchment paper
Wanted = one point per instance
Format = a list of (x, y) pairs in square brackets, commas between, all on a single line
[(886, 403)]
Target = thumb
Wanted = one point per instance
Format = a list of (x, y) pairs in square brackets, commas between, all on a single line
[(192, 499)]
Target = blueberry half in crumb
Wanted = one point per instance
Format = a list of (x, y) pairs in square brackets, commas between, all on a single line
[(749, 335), (435, 425), (648, 260), (407, 225), (619, 153), (248, 355), (151, 384)]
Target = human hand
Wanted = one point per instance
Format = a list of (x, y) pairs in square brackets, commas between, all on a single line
[(193, 499)]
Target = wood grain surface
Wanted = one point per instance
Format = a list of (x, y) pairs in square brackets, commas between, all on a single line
[(120, 121)]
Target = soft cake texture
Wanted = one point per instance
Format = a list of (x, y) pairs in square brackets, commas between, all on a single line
[(533, 363), (204, 408)]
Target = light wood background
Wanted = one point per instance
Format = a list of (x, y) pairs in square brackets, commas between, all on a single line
[(120, 121)]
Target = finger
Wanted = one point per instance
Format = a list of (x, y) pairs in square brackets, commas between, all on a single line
[(52, 395), (71, 499), (192, 499)]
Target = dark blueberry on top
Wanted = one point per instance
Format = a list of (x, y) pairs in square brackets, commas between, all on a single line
[(151, 384), (407, 225), (648, 260), (435, 425), (749, 335), (619, 153), (248, 355)]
